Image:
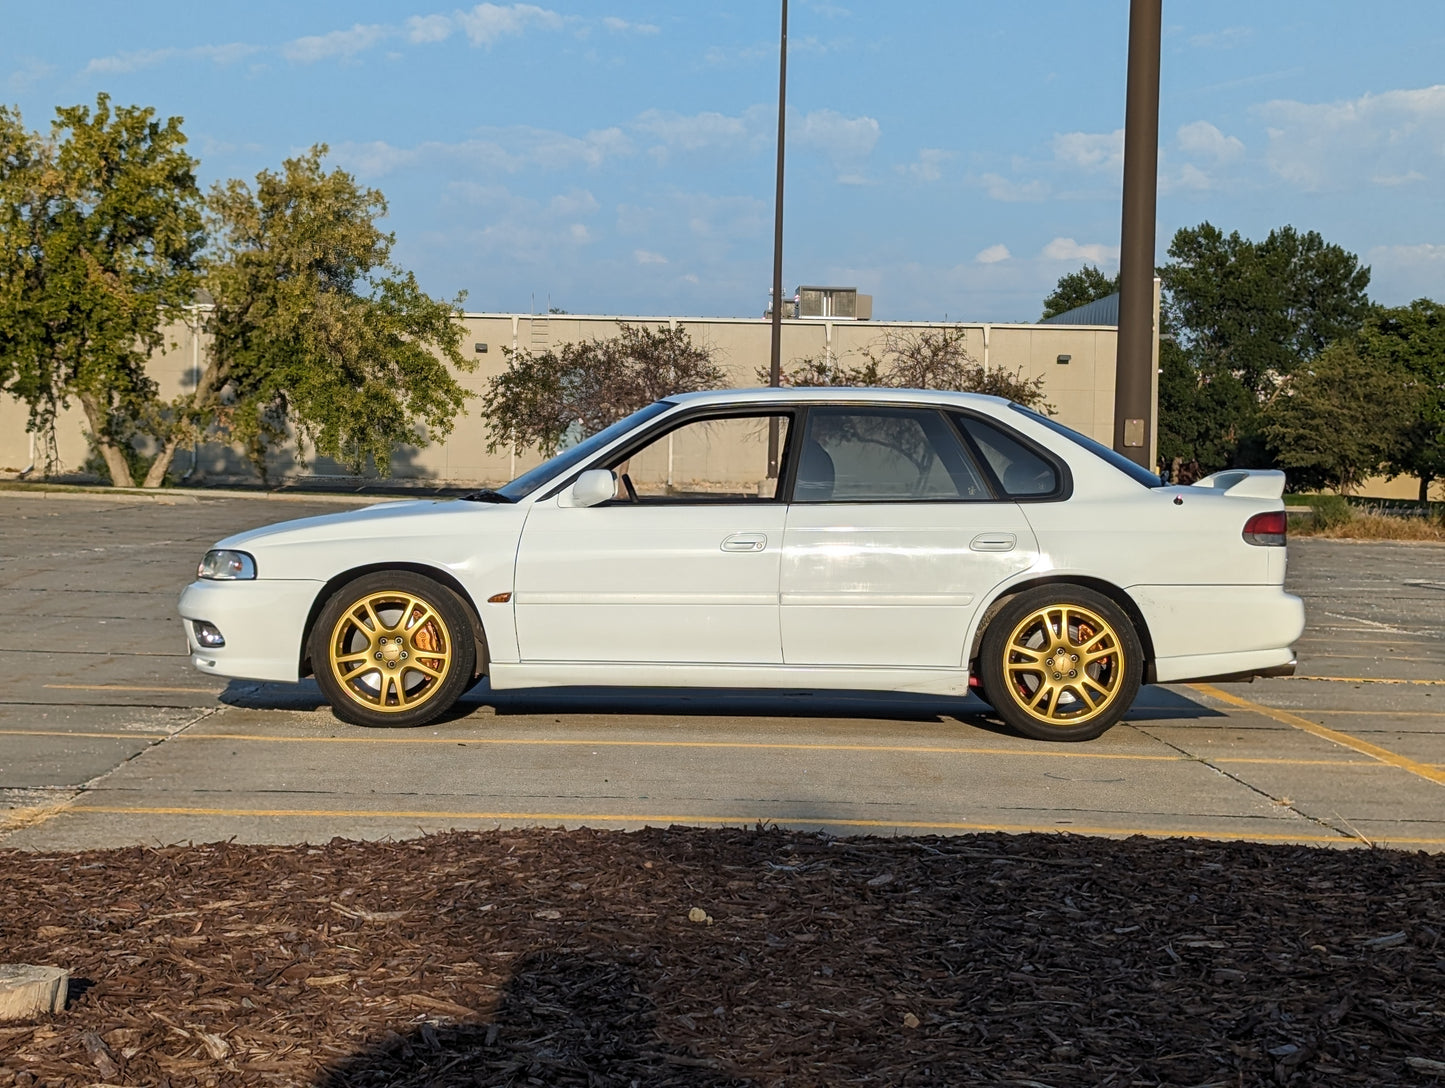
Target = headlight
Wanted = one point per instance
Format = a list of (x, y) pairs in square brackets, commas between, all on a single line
[(221, 565)]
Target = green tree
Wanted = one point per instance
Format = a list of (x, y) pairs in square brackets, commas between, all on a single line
[(1259, 309), (314, 328), (1413, 337), (920, 359), (1079, 288), (1238, 318), (1340, 419), (100, 226), (542, 397)]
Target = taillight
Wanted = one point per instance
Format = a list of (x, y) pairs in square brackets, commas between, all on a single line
[(1267, 530)]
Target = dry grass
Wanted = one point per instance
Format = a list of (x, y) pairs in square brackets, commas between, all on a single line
[(1366, 526)]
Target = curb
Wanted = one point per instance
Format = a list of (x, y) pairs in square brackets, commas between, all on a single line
[(175, 496)]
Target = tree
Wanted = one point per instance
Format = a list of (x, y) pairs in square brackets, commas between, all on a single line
[(100, 226), (1413, 337), (1340, 419), (314, 328), (1079, 288), (1238, 318), (920, 359), (542, 397), (1260, 309)]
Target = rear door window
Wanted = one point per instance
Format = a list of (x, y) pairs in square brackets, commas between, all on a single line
[(884, 455)]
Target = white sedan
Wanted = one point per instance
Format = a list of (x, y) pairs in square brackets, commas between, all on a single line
[(817, 539)]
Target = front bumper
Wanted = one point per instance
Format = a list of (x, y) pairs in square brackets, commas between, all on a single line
[(262, 621)]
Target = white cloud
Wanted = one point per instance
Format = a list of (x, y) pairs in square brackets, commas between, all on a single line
[(1336, 145), (122, 63), (696, 132), (422, 29), (993, 254), (1421, 253), (1399, 273), (503, 151), (1091, 151), (30, 72), (622, 26), (643, 256), (485, 23), (1013, 192), (1200, 139), (1066, 249), (338, 43), (1227, 38), (929, 165), (842, 139)]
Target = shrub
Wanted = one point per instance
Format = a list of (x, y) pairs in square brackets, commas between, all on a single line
[(1330, 511)]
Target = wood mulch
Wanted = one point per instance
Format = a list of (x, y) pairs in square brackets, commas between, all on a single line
[(723, 958)]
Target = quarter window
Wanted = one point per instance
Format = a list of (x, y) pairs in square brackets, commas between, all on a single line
[(1023, 472), (883, 455)]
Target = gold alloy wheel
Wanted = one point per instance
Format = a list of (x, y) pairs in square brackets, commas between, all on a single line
[(1064, 664), (390, 651)]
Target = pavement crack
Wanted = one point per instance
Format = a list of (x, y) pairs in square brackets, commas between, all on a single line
[(1279, 802)]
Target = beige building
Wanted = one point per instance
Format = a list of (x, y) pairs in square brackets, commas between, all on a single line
[(1075, 361)]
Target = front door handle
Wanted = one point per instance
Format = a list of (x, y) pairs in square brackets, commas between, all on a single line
[(745, 542), (994, 542)]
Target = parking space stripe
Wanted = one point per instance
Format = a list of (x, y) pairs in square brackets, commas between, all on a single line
[(1366, 680), (655, 819), (1427, 771), (130, 687), (80, 734)]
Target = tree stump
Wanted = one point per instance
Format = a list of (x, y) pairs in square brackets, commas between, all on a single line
[(27, 992)]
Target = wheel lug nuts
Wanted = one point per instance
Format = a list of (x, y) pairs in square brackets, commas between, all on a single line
[(403, 655), (1073, 672), (378, 655), (391, 664)]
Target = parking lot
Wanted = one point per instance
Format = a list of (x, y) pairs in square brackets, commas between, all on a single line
[(108, 737)]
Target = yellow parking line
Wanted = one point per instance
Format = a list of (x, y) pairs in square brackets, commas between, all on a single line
[(1384, 713), (81, 735), (130, 687), (1426, 771), (733, 821), (1368, 680)]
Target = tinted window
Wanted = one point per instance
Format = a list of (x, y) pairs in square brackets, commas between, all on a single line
[(1118, 460), (1022, 470), (883, 455)]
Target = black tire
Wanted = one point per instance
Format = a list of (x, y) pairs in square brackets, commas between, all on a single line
[(393, 649), (1061, 662)]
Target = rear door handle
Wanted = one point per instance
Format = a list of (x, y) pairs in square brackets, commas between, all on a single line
[(994, 542), (745, 542)]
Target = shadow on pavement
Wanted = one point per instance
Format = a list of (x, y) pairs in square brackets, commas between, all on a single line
[(1153, 703), (566, 1018)]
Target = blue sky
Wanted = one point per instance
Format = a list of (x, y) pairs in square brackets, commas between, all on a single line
[(951, 158)]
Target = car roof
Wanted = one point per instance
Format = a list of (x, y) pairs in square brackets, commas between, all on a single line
[(835, 395)]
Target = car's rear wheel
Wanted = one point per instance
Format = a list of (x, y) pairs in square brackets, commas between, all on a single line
[(1061, 662), (392, 649)]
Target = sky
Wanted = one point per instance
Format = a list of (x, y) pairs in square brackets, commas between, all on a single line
[(952, 158)]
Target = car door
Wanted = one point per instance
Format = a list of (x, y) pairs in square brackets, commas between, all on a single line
[(894, 536), (682, 566)]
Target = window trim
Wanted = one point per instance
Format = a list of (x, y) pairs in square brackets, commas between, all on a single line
[(985, 473), (1061, 493)]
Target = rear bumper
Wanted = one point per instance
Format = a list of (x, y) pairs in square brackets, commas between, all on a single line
[(1238, 665)]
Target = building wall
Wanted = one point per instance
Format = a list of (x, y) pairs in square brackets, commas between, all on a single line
[(1081, 391)]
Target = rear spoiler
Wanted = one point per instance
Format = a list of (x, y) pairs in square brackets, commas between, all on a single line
[(1246, 483)]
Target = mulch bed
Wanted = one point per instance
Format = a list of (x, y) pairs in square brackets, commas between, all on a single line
[(722, 958)]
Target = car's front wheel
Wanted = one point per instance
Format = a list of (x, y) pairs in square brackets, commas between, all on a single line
[(392, 649), (1061, 663)]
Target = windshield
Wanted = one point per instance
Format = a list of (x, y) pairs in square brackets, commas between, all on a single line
[(1118, 460), (568, 459)]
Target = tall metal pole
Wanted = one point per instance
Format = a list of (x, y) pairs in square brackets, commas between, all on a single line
[(775, 370), (1134, 380)]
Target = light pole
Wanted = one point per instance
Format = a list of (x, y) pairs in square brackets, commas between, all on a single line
[(775, 368), (1134, 378)]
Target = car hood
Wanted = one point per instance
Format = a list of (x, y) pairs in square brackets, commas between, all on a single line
[(400, 518)]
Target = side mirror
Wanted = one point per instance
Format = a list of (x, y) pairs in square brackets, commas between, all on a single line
[(594, 486)]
